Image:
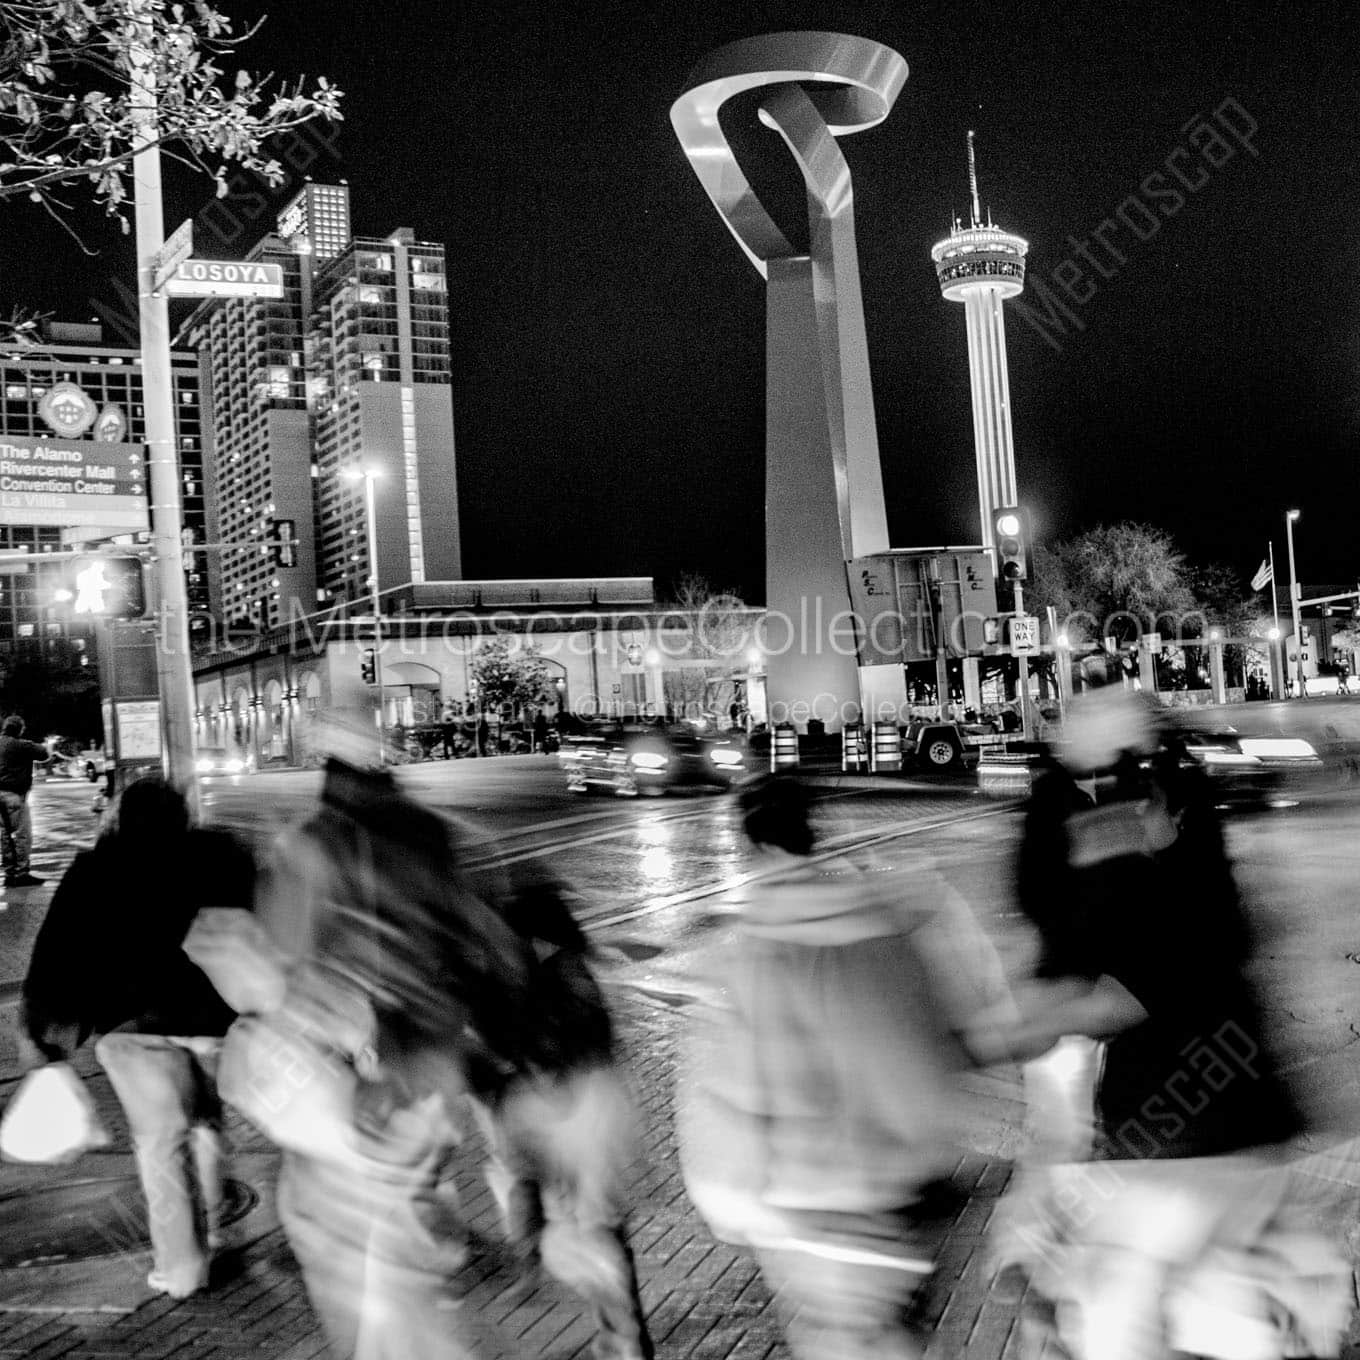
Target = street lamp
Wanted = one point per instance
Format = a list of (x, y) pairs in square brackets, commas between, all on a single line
[(369, 475), (1289, 519)]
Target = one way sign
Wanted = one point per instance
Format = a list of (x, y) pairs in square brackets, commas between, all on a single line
[(1024, 636)]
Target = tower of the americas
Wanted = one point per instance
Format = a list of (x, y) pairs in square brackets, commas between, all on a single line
[(980, 266)]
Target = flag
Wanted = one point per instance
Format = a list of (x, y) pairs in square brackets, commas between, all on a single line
[(1265, 574)]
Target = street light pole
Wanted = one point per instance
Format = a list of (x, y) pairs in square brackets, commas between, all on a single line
[(370, 476), (173, 667), (1289, 519)]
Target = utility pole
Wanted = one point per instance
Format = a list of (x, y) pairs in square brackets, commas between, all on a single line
[(173, 665), (1299, 682)]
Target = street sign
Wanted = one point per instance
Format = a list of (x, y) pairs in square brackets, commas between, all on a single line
[(73, 482), (179, 245), (1024, 635), (1154, 643), (224, 278)]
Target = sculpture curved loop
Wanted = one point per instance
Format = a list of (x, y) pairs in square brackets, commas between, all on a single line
[(856, 83)]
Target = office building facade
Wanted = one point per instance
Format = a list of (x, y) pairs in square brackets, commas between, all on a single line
[(348, 374)]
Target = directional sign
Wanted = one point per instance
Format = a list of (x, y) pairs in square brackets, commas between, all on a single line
[(179, 245), (1024, 636), (225, 278), (73, 482)]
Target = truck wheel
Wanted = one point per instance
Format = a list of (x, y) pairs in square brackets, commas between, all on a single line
[(939, 752)]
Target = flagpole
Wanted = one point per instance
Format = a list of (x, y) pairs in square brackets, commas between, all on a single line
[(1274, 599)]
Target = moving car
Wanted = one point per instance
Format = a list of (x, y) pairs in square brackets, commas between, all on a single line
[(1255, 769), (218, 760), (74, 762), (648, 758)]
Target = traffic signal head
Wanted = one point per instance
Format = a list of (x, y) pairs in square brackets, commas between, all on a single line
[(1010, 533), (368, 666), (107, 587), (283, 543)]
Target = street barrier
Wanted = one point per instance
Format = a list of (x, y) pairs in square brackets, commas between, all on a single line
[(784, 747), (854, 747), (1005, 774), (887, 749)]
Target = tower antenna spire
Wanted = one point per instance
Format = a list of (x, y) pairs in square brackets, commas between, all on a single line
[(972, 180)]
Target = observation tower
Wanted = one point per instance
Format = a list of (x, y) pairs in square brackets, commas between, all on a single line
[(981, 266)]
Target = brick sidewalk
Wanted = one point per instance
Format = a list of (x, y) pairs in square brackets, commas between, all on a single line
[(704, 1300)]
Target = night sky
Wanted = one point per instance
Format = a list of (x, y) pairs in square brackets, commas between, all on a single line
[(609, 335)]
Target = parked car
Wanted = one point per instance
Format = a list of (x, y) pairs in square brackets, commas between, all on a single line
[(630, 759)]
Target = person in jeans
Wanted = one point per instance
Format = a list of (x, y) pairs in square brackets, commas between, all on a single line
[(17, 758), (108, 961)]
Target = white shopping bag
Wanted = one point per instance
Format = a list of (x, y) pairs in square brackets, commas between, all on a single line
[(50, 1118)]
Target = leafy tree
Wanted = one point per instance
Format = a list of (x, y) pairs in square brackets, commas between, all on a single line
[(68, 111), (509, 675)]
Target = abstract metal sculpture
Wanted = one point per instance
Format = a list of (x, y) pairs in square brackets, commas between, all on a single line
[(823, 481)]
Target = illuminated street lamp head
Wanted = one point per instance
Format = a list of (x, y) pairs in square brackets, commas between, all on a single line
[(359, 474), (1293, 514), (1274, 635)]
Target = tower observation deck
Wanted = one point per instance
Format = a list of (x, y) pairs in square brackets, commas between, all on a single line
[(981, 265)]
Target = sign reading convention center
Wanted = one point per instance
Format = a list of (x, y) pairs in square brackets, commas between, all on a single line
[(75, 483)]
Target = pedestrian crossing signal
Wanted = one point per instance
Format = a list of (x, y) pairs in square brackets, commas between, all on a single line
[(108, 588)]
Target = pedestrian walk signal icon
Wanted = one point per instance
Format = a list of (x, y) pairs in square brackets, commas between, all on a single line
[(108, 588)]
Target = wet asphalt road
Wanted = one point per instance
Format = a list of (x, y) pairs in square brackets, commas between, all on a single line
[(659, 878)]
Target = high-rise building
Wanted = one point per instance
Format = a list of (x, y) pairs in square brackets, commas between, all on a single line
[(108, 378), (981, 266), (348, 374), (383, 405)]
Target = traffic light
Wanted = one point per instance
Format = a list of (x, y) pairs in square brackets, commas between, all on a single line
[(283, 543), (108, 587), (368, 666), (1010, 525)]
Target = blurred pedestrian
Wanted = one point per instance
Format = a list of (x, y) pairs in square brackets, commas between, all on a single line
[(561, 1124), (447, 730), (819, 1129), (1183, 1238), (540, 731), (108, 962), (390, 948), (17, 758)]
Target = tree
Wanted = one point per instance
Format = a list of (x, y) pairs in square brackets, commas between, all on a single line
[(718, 625), (68, 69), (1117, 580), (507, 674)]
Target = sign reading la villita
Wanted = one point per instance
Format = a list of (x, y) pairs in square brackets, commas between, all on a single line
[(76, 483), (224, 278)]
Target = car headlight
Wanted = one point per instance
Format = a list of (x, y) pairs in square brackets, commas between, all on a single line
[(234, 766), (203, 765), (649, 760), (725, 755), (1278, 748)]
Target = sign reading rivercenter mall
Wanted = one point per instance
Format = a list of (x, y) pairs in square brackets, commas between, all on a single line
[(224, 278), (74, 483)]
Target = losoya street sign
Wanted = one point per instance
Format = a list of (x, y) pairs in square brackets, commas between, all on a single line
[(179, 245), (1024, 635), (225, 278)]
